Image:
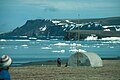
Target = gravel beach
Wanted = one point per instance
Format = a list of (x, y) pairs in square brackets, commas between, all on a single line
[(49, 71)]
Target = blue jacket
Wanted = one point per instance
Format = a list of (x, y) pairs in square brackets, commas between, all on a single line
[(4, 74)]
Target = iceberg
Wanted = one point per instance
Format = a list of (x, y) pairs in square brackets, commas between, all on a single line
[(92, 37)]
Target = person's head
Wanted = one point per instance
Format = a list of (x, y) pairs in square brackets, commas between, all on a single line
[(0, 63), (5, 61)]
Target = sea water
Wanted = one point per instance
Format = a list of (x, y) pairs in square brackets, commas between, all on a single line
[(24, 51)]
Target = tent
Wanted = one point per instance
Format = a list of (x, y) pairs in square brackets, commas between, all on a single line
[(85, 59)]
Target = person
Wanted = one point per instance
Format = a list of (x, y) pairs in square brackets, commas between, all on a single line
[(59, 62), (5, 62), (66, 64)]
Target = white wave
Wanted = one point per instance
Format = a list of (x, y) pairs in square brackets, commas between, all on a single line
[(111, 47), (61, 44), (42, 40), (24, 45), (23, 36), (111, 38), (2, 47), (112, 42), (2, 40), (13, 40), (75, 44), (98, 46), (77, 50), (21, 40), (85, 46), (46, 48), (58, 51), (53, 39)]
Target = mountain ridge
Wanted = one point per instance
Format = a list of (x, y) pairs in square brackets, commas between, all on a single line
[(58, 27)]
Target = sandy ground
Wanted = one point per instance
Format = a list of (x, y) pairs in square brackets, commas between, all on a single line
[(110, 71)]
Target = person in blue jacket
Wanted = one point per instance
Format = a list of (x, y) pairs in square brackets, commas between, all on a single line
[(5, 62)]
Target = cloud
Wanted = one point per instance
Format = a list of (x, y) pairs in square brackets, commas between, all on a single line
[(66, 4), (50, 9), (73, 4)]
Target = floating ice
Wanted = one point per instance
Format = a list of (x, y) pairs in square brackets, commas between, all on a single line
[(2, 47), (111, 38), (46, 48), (2, 40), (23, 36), (92, 37), (74, 44), (77, 50), (98, 46), (61, 44), (111, 47), (59, 51), (24, 45), (20, 40), (112, 42)]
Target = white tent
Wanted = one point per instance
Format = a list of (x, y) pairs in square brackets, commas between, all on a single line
[(85, 59)]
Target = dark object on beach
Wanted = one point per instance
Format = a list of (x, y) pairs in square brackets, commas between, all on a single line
[(59, 62), (66, 64)]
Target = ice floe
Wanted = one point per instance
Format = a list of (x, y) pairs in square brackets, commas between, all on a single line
[(2, 40), (77, 50), (58, 51), (46, 48), (24, 45), (111, 38), (92, 37), (61, 44)]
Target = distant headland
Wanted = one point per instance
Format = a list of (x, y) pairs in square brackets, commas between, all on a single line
[(60, 28)]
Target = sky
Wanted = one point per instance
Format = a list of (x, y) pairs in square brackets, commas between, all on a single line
[(14, 13)]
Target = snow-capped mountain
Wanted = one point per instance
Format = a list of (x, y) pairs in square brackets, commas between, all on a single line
[(57, 27)]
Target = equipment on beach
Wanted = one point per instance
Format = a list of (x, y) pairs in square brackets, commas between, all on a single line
[(85, 59)]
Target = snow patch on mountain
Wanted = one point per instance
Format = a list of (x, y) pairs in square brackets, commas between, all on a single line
[(56, 22), (68, 21), (43, 28), (112, 27)]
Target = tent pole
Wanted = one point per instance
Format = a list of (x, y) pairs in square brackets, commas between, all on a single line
[(78, 41)]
